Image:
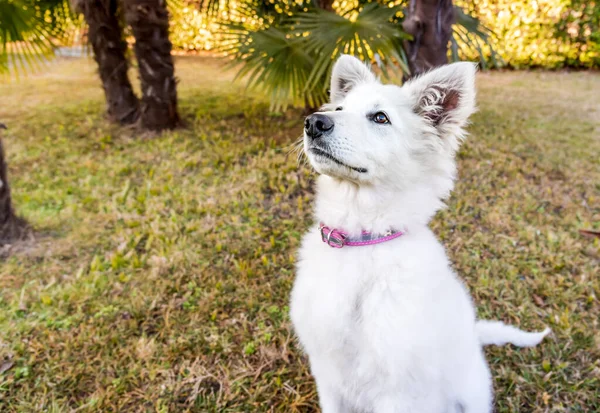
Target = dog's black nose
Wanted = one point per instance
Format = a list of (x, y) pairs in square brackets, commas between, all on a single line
[(317, 124)]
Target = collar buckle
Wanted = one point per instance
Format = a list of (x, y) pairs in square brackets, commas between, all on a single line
[(332, 237)]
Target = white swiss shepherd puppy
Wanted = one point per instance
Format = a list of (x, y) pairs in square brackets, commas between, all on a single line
[(386, 323)]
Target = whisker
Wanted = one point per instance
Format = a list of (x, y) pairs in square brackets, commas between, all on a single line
[(294, 145), (299, 158)]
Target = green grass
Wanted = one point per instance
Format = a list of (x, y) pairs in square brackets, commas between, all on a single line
[(160, 274)]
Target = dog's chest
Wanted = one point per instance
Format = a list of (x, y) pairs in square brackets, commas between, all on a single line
[(328, 300), (325, 313)]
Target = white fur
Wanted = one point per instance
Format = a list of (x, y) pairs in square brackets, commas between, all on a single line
[(390, 328)]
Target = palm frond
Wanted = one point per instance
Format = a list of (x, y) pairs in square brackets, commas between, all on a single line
[(272, 60), (370, 35), (30, 30), (291, 59)]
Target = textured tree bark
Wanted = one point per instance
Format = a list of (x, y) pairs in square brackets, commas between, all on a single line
[(430, 24), (106, 37), (12, 228), (149, 21)]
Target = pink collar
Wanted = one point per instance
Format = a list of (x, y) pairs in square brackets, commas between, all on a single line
[(336, 238)]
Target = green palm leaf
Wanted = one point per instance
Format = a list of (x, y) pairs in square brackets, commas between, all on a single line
[(30, 30), (274, 61), (372, 34), (292, 58)]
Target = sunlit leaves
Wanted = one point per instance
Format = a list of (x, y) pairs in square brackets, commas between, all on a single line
[(545, 33), (470, 37)]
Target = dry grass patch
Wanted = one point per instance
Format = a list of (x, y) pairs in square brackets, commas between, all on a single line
[(161, 278)]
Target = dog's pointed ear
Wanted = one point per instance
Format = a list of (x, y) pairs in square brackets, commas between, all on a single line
[(348, 72), (445, 96)]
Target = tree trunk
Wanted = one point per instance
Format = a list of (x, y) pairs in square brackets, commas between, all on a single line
[(430, 24), (325, 4), (106, 36), (149, 21), (12, 228)]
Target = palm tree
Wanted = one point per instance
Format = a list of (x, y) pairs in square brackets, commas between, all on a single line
[(30, 29), (149, 21), (429, 22), (106, 38), (12, 227), (29, 33)]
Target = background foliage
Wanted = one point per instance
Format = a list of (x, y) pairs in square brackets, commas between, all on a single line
[(543, 33), (190, 29)]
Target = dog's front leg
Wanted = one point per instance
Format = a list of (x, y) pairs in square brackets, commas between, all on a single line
[(330, 399), (403, 404)]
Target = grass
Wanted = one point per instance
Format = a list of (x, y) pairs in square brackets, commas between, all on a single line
[(160, 275)]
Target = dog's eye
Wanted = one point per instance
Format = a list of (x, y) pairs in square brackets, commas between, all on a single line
[(338, 108), (381, 118)]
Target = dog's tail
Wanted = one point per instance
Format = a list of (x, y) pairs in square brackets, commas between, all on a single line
[(499, 334)]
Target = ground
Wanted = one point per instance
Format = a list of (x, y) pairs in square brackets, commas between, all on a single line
[(160, 273)]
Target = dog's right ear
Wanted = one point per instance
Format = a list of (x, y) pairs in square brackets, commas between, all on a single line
[(348, 72), (445, 96)]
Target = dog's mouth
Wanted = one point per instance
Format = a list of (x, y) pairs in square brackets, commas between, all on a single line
[(320, 152)]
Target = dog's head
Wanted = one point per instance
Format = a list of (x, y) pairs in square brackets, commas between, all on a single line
[(376, 134)]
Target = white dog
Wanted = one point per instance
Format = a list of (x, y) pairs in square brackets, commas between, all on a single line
[(387, 325)]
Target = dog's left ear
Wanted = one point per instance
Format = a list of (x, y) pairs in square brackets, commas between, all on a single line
[(348, 72), (445, 96)]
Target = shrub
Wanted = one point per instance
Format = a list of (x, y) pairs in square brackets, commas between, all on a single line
[(542, 33)]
